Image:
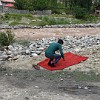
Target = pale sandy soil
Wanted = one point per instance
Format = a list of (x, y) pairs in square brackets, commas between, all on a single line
[(53, 32)]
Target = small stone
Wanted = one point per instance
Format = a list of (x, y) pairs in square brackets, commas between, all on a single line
[(36, 87), (79, 87), (85, 87), (97, 74), (61, 79), (27, 51), (26, 98), (34, 55)]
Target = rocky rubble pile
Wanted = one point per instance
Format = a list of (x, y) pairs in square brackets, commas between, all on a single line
[(16, 51), (51, 26)]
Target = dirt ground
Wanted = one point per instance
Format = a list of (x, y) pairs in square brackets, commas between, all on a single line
[(19, 81), (31, 34)]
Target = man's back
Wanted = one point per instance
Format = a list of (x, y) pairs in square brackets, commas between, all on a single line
[(52, 48)]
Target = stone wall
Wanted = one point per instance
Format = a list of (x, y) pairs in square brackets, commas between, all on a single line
[(11, 10), (0, 9), (51, 26), (43, 12)]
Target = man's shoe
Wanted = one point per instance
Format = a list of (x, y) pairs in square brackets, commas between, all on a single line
[(49, 64), (52, 65), (36, 67)]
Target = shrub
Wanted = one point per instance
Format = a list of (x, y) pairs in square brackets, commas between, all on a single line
[(79, 12), (7, 16), (42, 23), (49, 20), (52, 21), (90, 18), (6, 38)]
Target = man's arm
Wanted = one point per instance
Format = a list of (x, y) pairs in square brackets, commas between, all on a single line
[(61, 51)]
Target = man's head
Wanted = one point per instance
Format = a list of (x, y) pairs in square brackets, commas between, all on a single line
[(60, 41)]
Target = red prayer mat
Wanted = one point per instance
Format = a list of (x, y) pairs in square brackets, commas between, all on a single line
[(69, 60)]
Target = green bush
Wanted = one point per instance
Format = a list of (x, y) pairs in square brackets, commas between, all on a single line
[(46, 20), (79, 12), (58, 9), (7, 16), (6, 38), (49, 20), (90, 18), (52, 21)]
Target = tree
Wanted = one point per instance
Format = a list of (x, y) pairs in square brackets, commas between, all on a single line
[(35, 4), (20, 4), (40, 4), (81, 3), (96, 3)]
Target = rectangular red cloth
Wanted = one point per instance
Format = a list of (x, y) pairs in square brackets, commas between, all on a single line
[(69, 60)]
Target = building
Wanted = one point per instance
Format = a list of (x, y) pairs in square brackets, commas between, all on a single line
[(8, 3), (0, 3), (1, 7)]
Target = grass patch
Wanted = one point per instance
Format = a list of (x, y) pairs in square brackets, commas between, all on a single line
[(48, 75), (23, 42), (76, 75), (17, 16), (83, 76), (54, 19), (14, 23)]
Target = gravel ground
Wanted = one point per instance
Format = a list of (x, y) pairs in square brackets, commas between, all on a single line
[(19, 81)]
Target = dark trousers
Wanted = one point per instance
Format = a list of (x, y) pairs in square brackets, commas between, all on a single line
[(54, 59)]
